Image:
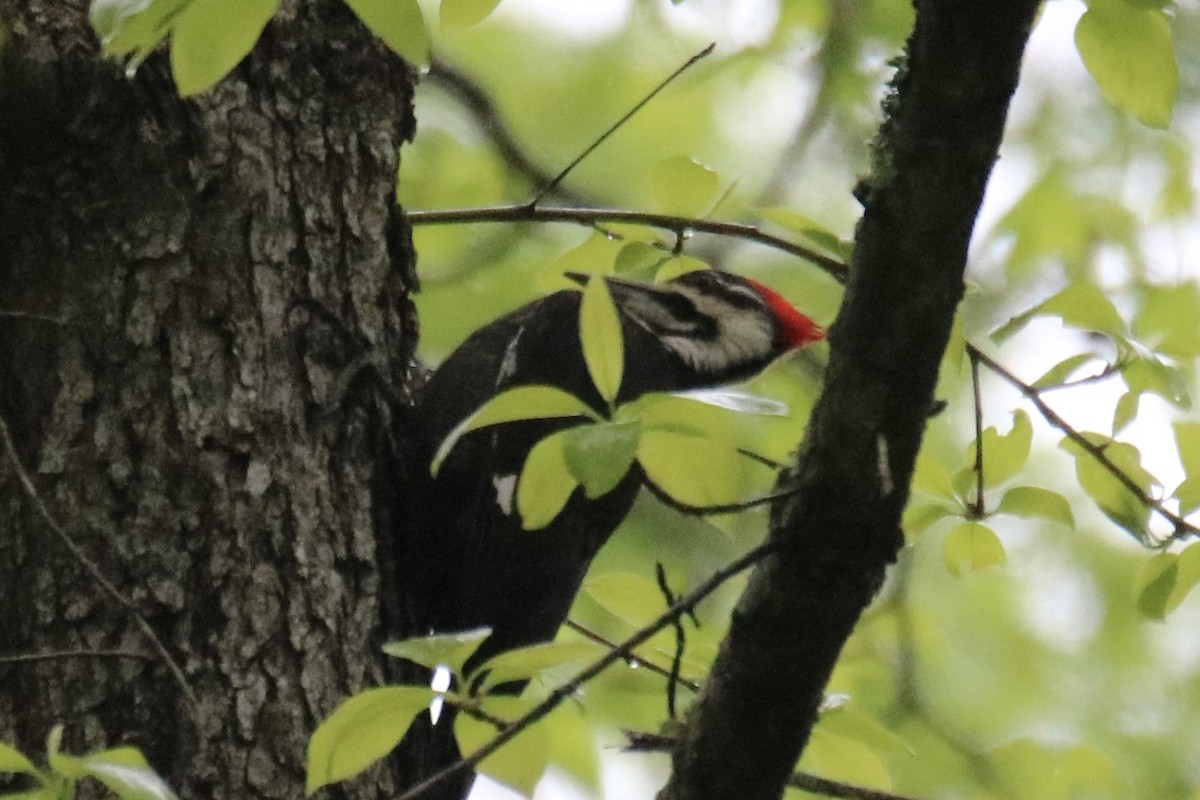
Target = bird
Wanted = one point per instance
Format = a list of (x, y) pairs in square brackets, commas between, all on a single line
[(477, 565)]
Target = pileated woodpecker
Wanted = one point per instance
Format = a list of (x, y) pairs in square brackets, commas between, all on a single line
[(478, 566)]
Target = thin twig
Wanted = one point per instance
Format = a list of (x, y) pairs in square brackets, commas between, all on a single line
[(561, 693), (599, 216), (1108, 371), (628, 114), (77, 553), (1181, 526), (643, 742), (666, 499), (642, 663), (680, 639), (54, 655), (978, 506)]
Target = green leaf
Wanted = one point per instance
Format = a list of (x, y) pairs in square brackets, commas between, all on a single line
[(1061, 372), (126, 774), (362, 730), (682, 186), (687, 448), (597, 255), (640, 261), (1187, 443), (1110, 495), (918, 518), (546, 482), (1080, 305), (1004, 455), (1187, 576), (13, 760), (600, 336), (631, 598), (522, 761), (1129, 53), (933, 479), (1143, 371), (210, 37), (675, 266), (1084, 306), (696, 470), (1154, 584), (600, 455), (529, 662), (133, 26), (1125, 412), (812, 232), (514, 405), (972, 546), (399, 24), (1167, 314), (465, 13), (1033, 502), (449, 649)]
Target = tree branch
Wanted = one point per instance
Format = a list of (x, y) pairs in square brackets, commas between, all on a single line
[(944, 121), (529, 212), (1182, 528)]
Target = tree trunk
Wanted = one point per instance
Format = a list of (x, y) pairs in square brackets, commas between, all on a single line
[(175, 393), (835, 537)]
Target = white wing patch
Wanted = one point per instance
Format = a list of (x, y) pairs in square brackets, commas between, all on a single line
[(506, 486)]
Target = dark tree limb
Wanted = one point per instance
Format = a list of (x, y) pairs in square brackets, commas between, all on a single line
[(943, 124)]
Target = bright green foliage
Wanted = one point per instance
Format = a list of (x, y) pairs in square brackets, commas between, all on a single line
[(972, 546), (600, 337), (520, 764), (1034, 502), (399, 23), (520, 664), (1187, 442), (210, 37), (546, 482), (447, 649), (362, 730), (681, 185), (1080, 305), (1117, 500), (132, 28), (810, 231), (122, 770), (1065, 370), (1005, 454), (1165, 580), (464, 13), (599, 455), (514, 405), (1127, 48)]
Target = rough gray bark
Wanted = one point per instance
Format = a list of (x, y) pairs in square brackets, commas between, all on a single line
[(168, 401), (941, 134)]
